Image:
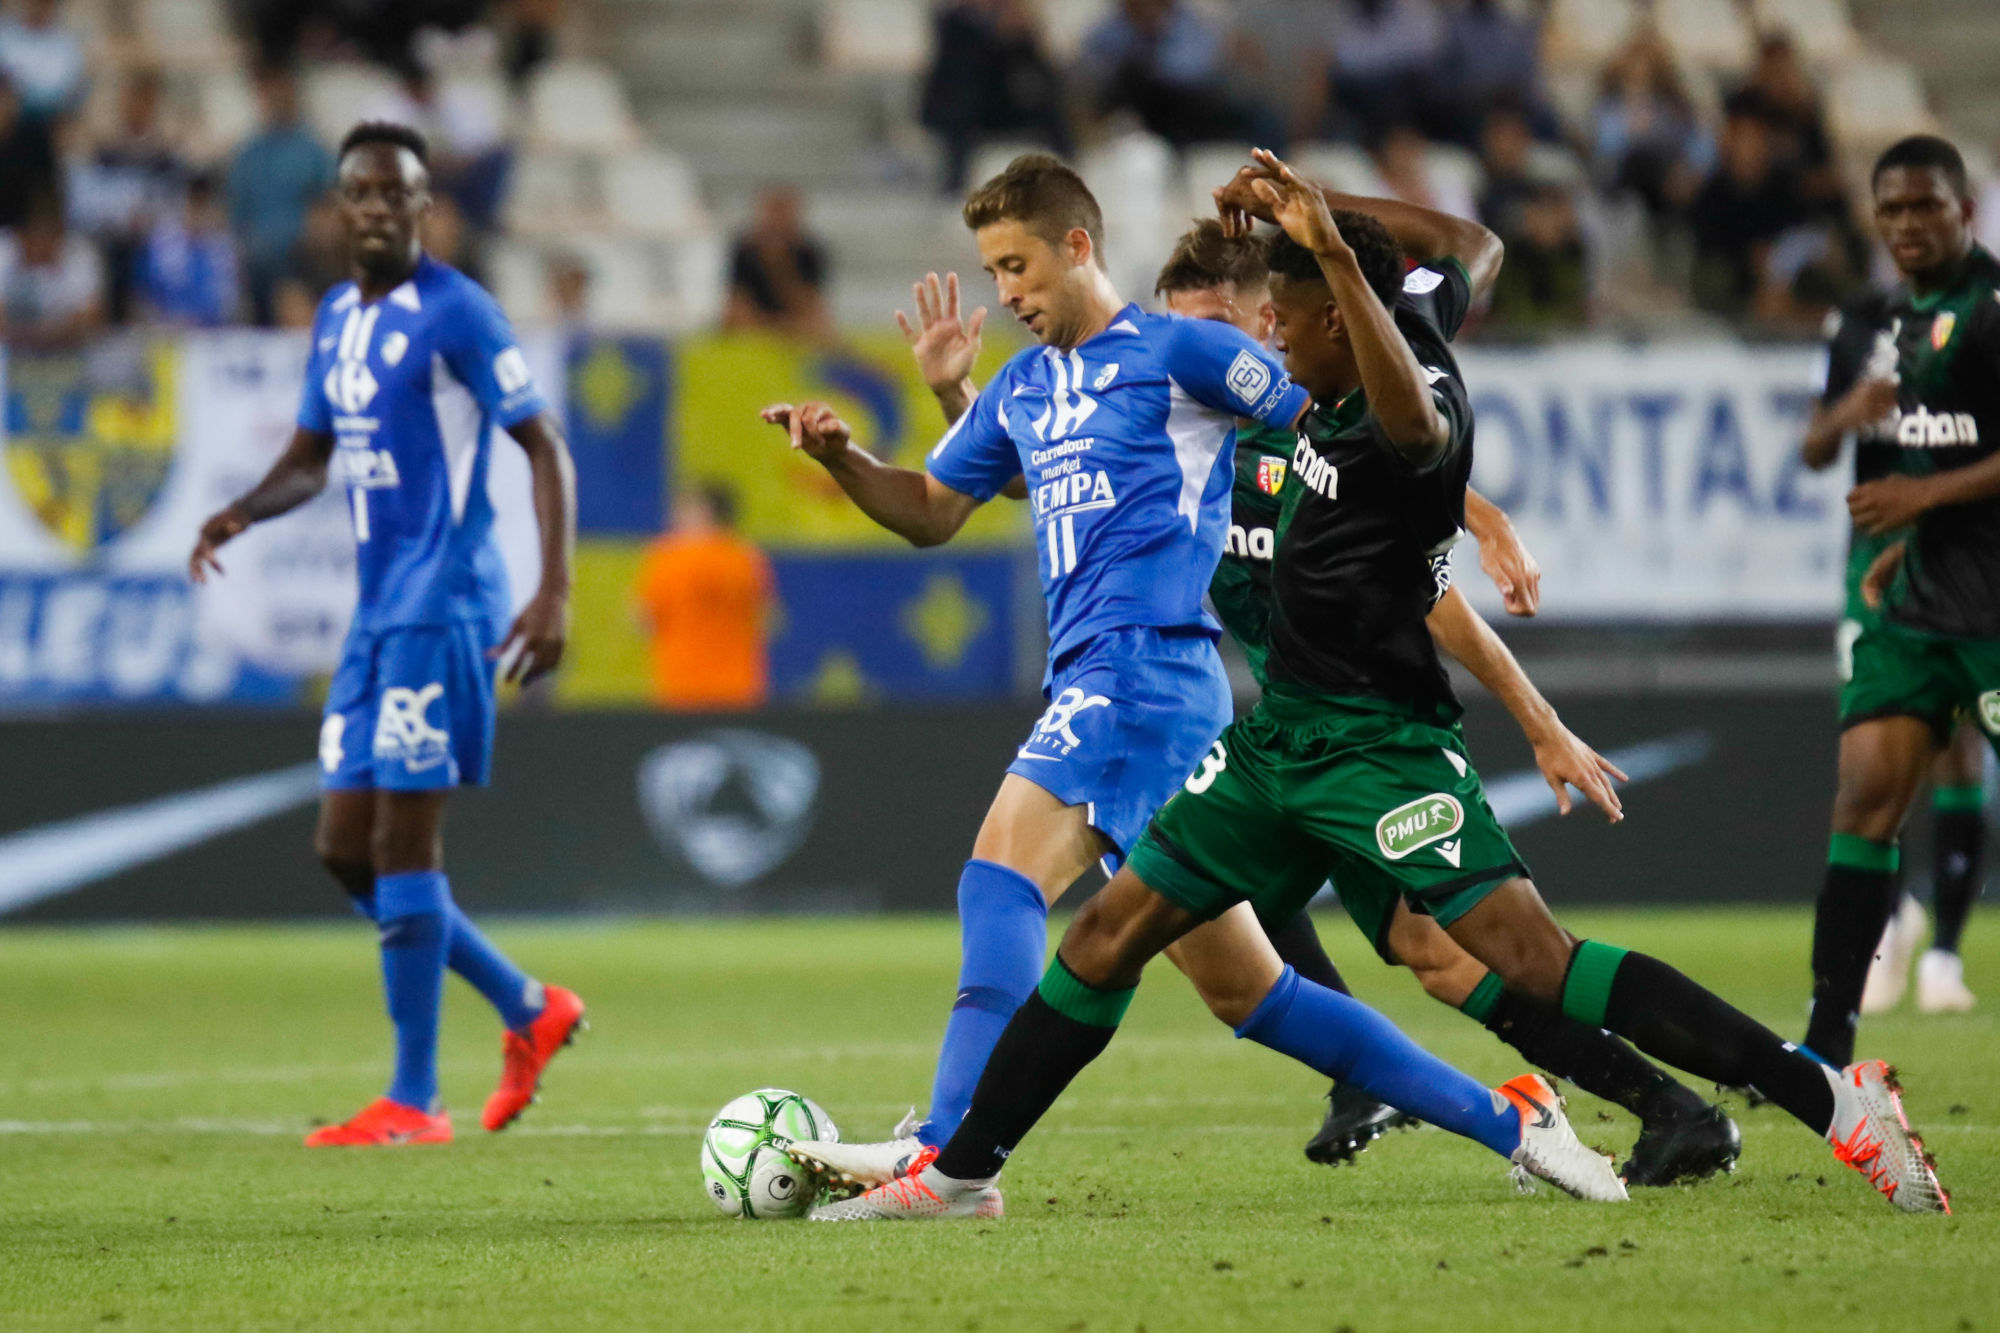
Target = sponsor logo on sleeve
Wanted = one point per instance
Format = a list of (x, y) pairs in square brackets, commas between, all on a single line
[(1248, 377), (1422, 280)]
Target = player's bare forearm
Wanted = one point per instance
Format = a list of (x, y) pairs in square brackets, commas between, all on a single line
[(913, 505), (1504, 557), (1464, 634), (1399, 396), (1963, 485), (955, 400), (297, 476), (553, 475), (1821, 445)]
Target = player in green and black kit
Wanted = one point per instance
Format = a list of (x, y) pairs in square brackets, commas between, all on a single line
[(1354, 765), (1934, 652), (1859, 402), (1214, 275)]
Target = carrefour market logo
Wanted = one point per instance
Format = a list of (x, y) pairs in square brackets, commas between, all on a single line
[(1418, 824)]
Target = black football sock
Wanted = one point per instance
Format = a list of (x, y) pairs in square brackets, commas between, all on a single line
[(1959, 825), (1298, 946), (1589, 1057), (1061, 1028), (1854, 905), (1671, 1019)]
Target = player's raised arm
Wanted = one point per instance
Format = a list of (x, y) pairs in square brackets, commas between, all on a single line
[(1561, 756), (1399, 392), (1502, 555), (1425, 235), (539, 634), (944, 345), (914, 505), (297, 476)]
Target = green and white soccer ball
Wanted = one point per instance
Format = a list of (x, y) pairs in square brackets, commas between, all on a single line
[(744, 1169)]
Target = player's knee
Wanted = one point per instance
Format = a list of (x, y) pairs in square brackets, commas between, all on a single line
[(1100, 949), (394, 850)]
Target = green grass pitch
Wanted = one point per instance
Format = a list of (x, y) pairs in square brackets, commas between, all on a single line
[(154, 1085)]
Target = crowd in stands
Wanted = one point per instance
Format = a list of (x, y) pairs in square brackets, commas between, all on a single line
[(114, 213), (1733, 190)]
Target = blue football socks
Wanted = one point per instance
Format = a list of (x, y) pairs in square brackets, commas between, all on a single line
[(506, 987), (1003, 928), (1347, 1041), (412, 912)]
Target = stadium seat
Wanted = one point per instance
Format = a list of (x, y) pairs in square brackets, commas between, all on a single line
[(1708, 33), (226, 109), (184, 32), (484, 92), (876, 36), (517, 271), (1587, 32), (552, 194), (1556, 164), (1134, 180), (1342, 166), (337, 95), (652, 193), (1454, 170), (1205, 166), (1821, 29), (580, 104), (1872, 101), (627, 286), (1066, 25)]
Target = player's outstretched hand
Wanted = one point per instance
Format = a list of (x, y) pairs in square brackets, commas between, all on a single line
[(1887, 503), (1875, 583), (1567, 762), (1296, 205), (944, 345), (536, 639), (816, 429), (214, 535), (1238, 204), (1514, 571)]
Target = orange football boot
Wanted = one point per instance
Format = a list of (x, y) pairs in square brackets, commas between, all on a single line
[(381, 1124), (524, 1055)]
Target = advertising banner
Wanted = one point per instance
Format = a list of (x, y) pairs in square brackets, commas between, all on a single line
[(1660, 482), (179, 815)]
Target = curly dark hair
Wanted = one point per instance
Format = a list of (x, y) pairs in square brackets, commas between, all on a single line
[(1381, 259), (1924, 152), (386, 132)]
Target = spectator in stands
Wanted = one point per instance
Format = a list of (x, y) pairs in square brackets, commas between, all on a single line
[(133, 177), (44, 59), (469, 153), (51, 282), (318, 259), (1790, 105), (777, 272), (1544, 285), (1403, 161), (187, 273), (1386, 59), (1745, 206), (1647, 140), (1506, 143), (273, 179), (1164, 62), (705, 596), (1492, 55), (568, 278), (990, 75), (448, 237), (27, 162)]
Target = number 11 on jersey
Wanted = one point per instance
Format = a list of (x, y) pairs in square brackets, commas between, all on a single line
[(360, 498)]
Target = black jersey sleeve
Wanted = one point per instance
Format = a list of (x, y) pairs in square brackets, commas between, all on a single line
[(1850, 337), (1441, 292)]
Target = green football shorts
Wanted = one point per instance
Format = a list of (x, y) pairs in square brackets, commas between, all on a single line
[(1857, 616), (1902, 672), (1385, 805)]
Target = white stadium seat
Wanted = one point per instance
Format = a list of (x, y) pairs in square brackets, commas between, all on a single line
[(184, 32), (551, 194), (227, 108), (580, 104), (876, 36), (1067, 22), (1134, 179), (1874, 100), (1709, 33), (336, 96), (518, 273), (1342, 166), (1588, 32), (1205, 166), (1454, 171), (652, 193)]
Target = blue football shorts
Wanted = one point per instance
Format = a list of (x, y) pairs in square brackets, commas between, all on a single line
[(410, 709), (1130, 715)]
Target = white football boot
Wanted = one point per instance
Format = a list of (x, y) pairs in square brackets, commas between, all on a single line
[(1550, 1148), (1871, 1134), (1889, 974), (847, 1168), (923, 1194), (1941, 984)]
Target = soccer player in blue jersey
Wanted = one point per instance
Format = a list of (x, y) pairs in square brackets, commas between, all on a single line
[(1123, 425), (412, 366)]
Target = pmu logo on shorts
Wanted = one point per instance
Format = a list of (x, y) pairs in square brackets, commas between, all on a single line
[(1989, 712), (403, 728), (1418, 824)]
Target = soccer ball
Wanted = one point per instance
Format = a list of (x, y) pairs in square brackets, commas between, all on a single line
[(744, 1169)]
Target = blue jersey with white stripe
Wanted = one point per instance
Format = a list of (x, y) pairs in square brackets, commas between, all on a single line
[(411, 387), (1127, 443)]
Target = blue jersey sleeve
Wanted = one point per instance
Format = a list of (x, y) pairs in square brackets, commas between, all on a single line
[(1220, 368), (976, 457), (478, 347)]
